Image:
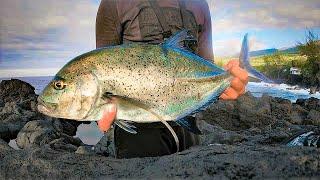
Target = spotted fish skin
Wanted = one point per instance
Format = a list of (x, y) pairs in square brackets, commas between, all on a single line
[(153, 81)]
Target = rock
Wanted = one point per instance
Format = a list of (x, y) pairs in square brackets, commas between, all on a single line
[(313, 118), (12, 118), (87, 150), (313, 89), (201, 162), (41, 132), (4, 149), (17, 107), (105, 146), (216, 135), (311, 103), (37, 132), (281, 108), (241, 139), (298, 114), (244, 113), (15, 90), (66, 143)]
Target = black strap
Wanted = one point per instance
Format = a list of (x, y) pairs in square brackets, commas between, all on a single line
[(161, 18), (183, 9)]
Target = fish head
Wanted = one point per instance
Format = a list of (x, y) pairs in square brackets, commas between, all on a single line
[(69, 95)]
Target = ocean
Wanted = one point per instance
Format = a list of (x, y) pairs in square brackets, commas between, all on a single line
[(285, 91), (89, 133)]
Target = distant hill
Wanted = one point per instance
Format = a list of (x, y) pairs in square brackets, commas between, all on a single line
[(264, 52)]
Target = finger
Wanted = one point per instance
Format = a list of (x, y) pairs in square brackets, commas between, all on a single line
[(224, 96), (242, 91), (231, 93), (240, 73), (231, 63), (237, 84)]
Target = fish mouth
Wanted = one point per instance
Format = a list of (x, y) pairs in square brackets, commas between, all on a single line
[(45, 107)]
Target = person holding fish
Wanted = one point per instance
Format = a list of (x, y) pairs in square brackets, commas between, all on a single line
[(150, 21)]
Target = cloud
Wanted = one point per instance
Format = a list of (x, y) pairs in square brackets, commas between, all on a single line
[(234, 16), (28, 72), (46, 30), (232, 47)]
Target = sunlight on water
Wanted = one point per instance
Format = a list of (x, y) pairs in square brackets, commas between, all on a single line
[(280, 90)]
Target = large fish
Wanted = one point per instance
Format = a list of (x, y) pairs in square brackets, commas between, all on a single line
[(140, 82)]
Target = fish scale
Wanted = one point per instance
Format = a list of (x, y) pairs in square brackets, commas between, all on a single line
[(147, 83)]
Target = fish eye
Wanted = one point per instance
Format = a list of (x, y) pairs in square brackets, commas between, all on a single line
[(59, 85)]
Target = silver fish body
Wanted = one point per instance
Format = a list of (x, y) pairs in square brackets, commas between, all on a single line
[(146, 82)]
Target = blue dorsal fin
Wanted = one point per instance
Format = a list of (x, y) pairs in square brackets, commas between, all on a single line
[(179, 43), (182, 39)]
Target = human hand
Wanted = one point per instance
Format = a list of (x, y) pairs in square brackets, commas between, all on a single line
[(238, 83)]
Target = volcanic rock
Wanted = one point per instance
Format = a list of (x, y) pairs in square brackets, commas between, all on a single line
[(242, 139), (41, 132), (17, 107)]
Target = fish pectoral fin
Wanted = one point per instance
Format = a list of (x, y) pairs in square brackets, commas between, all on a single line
[(189, 124), (126, 125), (108, 117), (127, 103), (124, 101)]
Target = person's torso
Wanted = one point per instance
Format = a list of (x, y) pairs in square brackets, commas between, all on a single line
[(141, 23)]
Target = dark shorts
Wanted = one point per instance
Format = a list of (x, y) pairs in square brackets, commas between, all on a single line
[(152, 139)]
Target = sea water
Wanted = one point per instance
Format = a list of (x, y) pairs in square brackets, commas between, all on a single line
[(89, 133), (285, 91)]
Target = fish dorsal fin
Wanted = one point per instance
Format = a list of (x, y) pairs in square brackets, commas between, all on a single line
[(180, 43), (182, 40)]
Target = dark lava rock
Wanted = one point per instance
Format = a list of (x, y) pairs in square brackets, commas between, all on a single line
[(5, 149), (87, 150), (244, 113), (41, 132), (313, 118), (216, 135), (105, 146), (15, 90), (205, 162), (311, 103), (242, 139), (19, 104)]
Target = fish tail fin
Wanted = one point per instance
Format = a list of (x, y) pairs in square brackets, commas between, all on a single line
[(245, 62)]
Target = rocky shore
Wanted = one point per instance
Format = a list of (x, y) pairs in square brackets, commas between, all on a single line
[(242, 139)]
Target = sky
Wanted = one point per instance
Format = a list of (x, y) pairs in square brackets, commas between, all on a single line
[(37, 37)]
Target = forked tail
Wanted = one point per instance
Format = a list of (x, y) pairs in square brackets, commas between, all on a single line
[(245, 62)]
